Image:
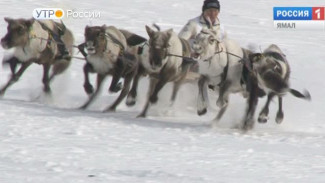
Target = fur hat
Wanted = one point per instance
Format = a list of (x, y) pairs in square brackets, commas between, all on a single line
[(210, 4)]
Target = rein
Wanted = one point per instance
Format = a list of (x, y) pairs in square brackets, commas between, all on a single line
[(179, 56), (229, 53), (51, 40)]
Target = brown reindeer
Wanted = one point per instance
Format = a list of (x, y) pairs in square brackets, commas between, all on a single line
[(272, 71), (109, 52), (36, 42), (138, 46), (165, 63)]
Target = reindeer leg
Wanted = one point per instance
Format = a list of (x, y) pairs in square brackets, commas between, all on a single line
[(262, 118), (131, 98), (203, 96), (222, 110), (124, 92), (252, 103), (13, 61), (219, 115), (222, 100), (154, 97), (175, 91), (100, 79), (46, 80), (152, 85), (279, 115), (15, 77), (87, 85), (87, 68), (224, 97), (116, 86)]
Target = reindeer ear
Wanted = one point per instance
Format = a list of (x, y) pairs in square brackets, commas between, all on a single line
[(103, 28), (255, 57), (8, 20), (150, 31), (169, 33), (30, 22), (86, 29)]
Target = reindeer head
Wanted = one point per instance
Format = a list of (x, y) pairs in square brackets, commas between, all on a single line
[(271, 72), (261, 63), (268, 59), (158, 47), (205, 44), (18, 31), (258, 61), (95, 39)]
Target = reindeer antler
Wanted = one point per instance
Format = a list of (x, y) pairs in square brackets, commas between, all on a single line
[(156, 26)]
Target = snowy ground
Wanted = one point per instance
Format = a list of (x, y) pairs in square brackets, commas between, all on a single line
[(48, 140)]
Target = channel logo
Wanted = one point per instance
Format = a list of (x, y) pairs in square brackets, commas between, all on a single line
[(299, 18), (298, 13), (48, 13)]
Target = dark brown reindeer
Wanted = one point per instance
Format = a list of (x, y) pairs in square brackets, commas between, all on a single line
[(36, 42), (267, 73), (108, 53), (137, 46), (165, 63), (272, 71)]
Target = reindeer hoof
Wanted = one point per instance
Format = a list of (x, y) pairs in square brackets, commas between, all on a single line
[(248, 125), (279, 117), (130, 101), (211, 87), (202, 112), (47, 90), (221, 103), (2, 93), (153, 99), (307, 95), (82, 107), (110, 109), (262, 119), (116, 88), (141, 115), (89, 89)]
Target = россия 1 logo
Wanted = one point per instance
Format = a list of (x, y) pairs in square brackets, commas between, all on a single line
[(48, 13), (299, 18)]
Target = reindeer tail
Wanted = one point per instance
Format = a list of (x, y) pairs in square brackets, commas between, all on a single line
[(305, 95)]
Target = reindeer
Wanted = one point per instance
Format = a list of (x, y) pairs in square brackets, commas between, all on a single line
[(109, 52), (165, 63), (273, 73), (36, 42), (221, 68), (140, 49)]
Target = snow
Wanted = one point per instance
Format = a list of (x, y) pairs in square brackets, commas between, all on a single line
[(46, 139)]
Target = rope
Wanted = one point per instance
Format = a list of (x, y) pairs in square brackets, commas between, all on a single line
[(79, 58)]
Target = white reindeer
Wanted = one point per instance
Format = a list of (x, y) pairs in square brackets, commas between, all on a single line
[(220, 67)]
